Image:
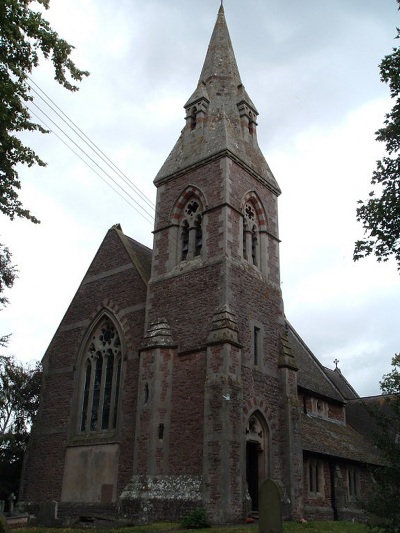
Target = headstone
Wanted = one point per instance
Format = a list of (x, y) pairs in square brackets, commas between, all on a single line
[(48, 514), (269, 508), (11, 500), (3, 525)]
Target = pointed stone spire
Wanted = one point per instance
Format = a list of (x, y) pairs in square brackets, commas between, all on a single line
[(220, 116), (220, 68)]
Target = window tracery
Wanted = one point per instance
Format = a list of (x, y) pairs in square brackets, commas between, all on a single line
[(191, 230), (250, 235), (102, 374)]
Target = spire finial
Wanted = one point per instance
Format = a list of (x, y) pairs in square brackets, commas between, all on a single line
[(336, 361)]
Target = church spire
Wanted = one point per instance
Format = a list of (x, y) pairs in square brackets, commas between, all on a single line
[(221, 119), (220, 64)]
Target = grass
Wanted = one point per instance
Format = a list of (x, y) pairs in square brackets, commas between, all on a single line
[(161, 527)]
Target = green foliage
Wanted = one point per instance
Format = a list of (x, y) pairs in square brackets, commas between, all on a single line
[(380, 214), (24, 36), (383, 504), (288, 527), (196, 519), (19, 402), (7, 277), (7, 273)]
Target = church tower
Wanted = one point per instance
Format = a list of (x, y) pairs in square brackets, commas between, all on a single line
[(217, 404)]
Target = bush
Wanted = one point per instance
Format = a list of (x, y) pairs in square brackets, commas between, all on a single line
[(196, 519)]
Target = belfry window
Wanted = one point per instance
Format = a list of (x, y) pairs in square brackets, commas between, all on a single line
[(185, 240), (102, 374), (198, 236), (193, 119), (250, 235), (191, 231)]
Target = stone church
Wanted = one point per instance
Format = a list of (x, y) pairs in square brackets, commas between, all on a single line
[(174, 380)]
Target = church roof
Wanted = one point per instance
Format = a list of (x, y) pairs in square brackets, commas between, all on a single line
[(341, 383), (311, 375), (221, 132), (139, 254), (338, 440)]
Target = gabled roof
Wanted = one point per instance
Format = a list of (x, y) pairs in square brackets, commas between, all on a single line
[(221, 132), (341, 383), (337, 440), (311, 375), (141, 255)]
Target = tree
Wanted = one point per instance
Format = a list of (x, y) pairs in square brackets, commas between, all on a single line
[(7, 277), (19, 401), (24, 35), (383, 503), (380, 214)]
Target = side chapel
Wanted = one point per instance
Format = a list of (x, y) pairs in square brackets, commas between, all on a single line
[(174, 380)]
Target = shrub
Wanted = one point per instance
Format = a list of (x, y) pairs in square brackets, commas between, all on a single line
[(196, 519)]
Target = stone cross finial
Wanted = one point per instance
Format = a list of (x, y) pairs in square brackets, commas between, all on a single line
[(336, 361)]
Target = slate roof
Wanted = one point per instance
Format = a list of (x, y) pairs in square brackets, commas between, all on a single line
[(337, 440), (141, 255), (221, 133), (311, 375), (341, 383), (361, 414)]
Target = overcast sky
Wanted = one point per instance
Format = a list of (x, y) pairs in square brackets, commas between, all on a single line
[(310, 67)]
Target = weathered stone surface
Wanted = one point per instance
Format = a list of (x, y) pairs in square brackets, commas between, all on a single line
[(48, 513), (270, 513)]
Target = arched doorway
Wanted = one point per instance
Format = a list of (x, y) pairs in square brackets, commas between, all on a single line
[(256, 456)]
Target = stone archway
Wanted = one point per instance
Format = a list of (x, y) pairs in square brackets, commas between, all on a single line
[(257, 456)]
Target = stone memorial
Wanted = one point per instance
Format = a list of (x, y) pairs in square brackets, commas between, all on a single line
[(48, 513), (269, 507), (3, 524)]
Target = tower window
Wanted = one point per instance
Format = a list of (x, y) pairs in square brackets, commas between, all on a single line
[(250, 235), (254, 244), (256, 345), (185, 240), (191, 237), (198, 236), (193, 119), (102, 373)]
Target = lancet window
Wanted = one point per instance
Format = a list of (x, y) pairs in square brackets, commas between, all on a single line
[(191, 230), (251, 250), (101, 379)]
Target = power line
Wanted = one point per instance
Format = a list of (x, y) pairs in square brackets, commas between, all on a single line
[(151, 219), (75, 128)]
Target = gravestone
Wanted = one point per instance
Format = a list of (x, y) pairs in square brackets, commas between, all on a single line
[(48, 514), (269, 508), (3, 525)]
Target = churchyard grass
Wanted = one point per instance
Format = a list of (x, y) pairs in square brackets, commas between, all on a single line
[(288, 527)]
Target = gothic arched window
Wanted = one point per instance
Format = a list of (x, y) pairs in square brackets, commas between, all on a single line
[(191, 230), (250, 234), (101, 368)]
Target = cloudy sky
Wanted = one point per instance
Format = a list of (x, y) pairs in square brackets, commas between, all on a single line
[(310, 67)]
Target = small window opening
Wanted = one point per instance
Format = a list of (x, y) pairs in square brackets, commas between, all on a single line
[(146, 393), (251, 124), (198, 237), (185, 240), (256, 347), (254, 245), (314, 469), (244, 238), (161, 431), (193, 119)]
